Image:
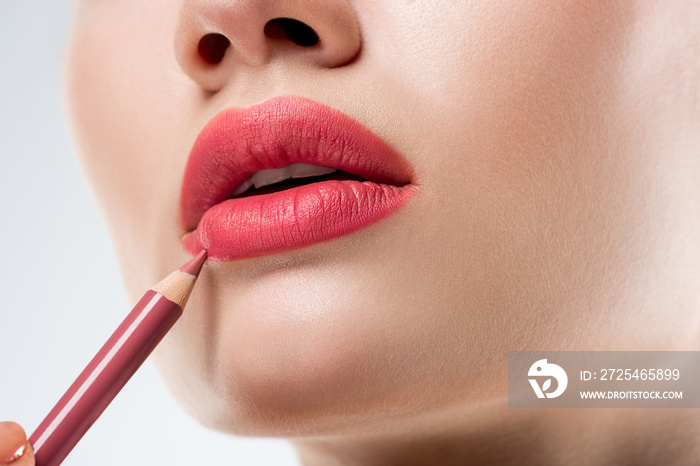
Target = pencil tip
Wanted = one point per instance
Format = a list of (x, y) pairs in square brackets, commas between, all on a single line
[(195, 265)]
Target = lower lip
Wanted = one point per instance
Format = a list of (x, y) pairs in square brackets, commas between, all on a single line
[(297, 217)]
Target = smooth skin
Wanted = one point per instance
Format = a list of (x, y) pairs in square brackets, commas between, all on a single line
[(556, 146)]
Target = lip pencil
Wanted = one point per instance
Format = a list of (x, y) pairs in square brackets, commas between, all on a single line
[(114, 364)]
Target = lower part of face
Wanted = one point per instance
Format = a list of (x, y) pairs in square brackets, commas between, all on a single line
[(552, 144)]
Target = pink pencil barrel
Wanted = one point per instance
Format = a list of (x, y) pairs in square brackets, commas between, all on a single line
[(103, 378), (115, 363)]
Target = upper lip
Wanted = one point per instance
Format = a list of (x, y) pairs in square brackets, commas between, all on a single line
[(281, 131)]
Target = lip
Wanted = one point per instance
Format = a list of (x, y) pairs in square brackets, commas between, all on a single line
[(281, 131)]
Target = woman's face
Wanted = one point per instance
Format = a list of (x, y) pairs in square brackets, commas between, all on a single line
[(549, 144)]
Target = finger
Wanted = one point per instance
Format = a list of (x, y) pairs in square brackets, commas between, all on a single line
[(12, 437)]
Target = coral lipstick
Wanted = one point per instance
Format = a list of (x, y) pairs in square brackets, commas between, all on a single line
[(286, 130), (114, 364)]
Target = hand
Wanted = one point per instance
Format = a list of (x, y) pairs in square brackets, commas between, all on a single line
[(15, 450)]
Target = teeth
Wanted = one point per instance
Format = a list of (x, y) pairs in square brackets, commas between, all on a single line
[(304, 170), (244, 187), (270, 176)]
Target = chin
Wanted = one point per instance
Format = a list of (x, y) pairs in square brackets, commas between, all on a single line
[(283, 367)]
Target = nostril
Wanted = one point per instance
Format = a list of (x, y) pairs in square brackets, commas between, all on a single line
[(212, 48), (288, 28)]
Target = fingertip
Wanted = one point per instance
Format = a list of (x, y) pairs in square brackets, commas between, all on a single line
[(12, 440)]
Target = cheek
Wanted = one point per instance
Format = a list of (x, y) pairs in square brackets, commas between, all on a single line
[(132, 135), (525, 151)]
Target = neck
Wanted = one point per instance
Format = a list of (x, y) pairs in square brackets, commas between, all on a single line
[(503, 436)]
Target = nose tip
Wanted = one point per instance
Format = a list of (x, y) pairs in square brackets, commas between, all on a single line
[(214, 38)]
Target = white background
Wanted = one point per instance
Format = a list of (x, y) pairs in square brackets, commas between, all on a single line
[(57, 262)]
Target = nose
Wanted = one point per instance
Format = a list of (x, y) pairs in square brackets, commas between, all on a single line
[(214, 37)]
